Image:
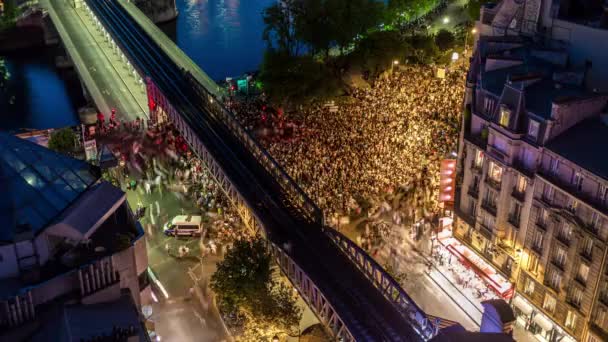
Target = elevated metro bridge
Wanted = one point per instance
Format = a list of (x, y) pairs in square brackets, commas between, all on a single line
[(350, 293)]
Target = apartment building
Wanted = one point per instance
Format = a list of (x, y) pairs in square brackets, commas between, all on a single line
[(532, 181), (69, 244)]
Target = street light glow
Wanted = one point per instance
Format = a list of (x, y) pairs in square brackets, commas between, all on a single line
[(446, 20), (396, 62), (474, 30)]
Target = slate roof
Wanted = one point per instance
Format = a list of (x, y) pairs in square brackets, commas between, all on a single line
[(37, 185), (585, 144)]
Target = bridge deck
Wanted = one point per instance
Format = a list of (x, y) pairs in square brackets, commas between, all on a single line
[(177, 55), (102, 71)]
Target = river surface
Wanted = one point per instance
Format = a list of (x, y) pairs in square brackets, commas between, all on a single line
[(224, 37)]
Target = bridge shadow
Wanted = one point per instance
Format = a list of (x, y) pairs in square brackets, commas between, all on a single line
[(170, 29)]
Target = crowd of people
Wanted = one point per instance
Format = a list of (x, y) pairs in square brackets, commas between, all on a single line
[(384, 140)]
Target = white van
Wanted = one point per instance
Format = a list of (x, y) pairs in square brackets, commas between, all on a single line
[(184, 225)]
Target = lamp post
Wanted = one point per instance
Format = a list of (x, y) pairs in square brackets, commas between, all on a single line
[(395, 62), (466, 39)]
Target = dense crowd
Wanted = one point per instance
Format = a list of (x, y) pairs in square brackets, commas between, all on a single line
[(384, 140)]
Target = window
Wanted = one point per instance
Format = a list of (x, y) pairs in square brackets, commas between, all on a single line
[(543, 217), (488, 221), (522, 183), (505, 115), (495, 172), (554, 166), (555, 279), (576, 296), (596, 221), (473, 208), (515, 212), (529, 288), (548, 192), (583, 273), (602, 193), (475, 182), (587, 246), (549, 303), (571, 320), (488, 105), (538, 240), (478, 159), (577, 181), (490, 198), (565, 232), (533, 127), (560, 257), (600, 317), (533, 263), (572, 205)]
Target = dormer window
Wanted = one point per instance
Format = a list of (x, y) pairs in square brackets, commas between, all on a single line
[(533, 127), (505, 116)]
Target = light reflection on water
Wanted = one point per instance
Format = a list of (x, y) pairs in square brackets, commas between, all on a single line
[(224, 37)]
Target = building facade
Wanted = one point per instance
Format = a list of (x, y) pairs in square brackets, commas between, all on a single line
[(532, 185), (67, 238)]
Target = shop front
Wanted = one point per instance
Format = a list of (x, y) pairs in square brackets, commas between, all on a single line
[(532, 319)]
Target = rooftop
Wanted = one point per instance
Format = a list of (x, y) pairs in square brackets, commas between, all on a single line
[(584, 145), (38, 185)]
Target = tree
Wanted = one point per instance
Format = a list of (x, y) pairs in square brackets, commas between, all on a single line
[(474, 8), (379, 49), (9, 15), (62, 141), (425, 49), (244, 284), (296, 79), (279, 31), (445, 40)]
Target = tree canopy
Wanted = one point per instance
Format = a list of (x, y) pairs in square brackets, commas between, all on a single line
[(244, 284), (62, 141), (445, 40)]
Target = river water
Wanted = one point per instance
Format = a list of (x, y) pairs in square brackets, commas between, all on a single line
[(224, 37)]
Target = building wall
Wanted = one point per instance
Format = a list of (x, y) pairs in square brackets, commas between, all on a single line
[(569, 114), (8, 262)]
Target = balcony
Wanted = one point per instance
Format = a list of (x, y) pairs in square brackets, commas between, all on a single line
[(476, 168), (580, 280), (559, 264), (562, 238), (541, 224), (604, 297), (493, 183), (473, 191), (466, 217), (565, 186), (485, 231), (514, 220), (489, 207), (538, 249), (522, 168), (477, 140), (587, 255), (518, 195)]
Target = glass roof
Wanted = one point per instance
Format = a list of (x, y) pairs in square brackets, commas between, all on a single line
[(37, 184)]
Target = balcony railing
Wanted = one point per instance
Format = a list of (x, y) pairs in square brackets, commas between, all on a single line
[(493, 183), (537, 248), (514, 220), (572, 189), (523, 168), (604, 297), (561, 264), (588, 255), (580, 280), (475, 167), (489, 207), (518, 195), (476, 140), (563, 238), (465, 216), (473, 191)]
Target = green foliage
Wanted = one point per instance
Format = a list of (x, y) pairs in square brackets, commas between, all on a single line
[(425, 49), (445, 40), (377, 51), (10, 14), (62, 141), (243, 282), (402, 12), (474, 8), (296, 78)]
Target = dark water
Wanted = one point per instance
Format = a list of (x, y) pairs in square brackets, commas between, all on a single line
[(36, 95), (224, 37)]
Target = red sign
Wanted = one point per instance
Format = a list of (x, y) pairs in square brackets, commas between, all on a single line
[(447, 180)]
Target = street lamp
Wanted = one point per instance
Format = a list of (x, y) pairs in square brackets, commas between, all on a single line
[(466, 39), (395, 62), (446, 20)]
